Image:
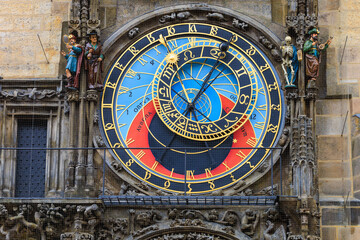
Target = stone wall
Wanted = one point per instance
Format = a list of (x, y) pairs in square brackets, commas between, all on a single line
[(336, 127), (21, 22)]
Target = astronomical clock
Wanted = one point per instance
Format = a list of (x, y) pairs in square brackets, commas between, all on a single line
[(191, 107)]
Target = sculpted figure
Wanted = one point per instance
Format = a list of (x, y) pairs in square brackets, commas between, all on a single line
[(74, 59), (312, 51), (93, 62), (249, 222), (290, 63)]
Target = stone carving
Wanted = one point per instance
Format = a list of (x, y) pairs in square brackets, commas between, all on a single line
[(133, 32), (249, 222), (240, 25), (93, 25), (72, 96), (99, 141), (216, 16), (91, 95), (284, 137), (268, 191), (147, 218), (17, 224), (271, 234), (29, 94), (273, 50), (299, 25), (173, 16)]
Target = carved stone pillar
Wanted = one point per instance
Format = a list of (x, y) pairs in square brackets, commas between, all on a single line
[(92, 98), (72, 97), (311, 95)]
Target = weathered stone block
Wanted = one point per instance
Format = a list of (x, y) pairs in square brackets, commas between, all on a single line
[(6, 23), (334, 187), (350, 71), (332, 107), (28, 23), (356, 182), (333, 216), (332, 148), (355, 146), (329, 18), (352, 88), (331, 125), (355, 105), (334, 170), (328, 233)]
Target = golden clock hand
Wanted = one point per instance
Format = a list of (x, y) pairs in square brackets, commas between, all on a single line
[(223, 48), (164, 42), (182, 84), (206, 144)]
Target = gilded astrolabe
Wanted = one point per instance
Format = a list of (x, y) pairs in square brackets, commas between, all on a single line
[(191, 107)]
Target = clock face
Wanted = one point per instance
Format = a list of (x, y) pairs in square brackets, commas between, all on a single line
[(191, 107)]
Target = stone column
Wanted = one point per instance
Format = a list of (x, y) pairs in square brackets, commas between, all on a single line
[(92, 98), (72, 97)]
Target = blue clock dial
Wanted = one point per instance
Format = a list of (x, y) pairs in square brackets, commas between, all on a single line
[(191, 103)]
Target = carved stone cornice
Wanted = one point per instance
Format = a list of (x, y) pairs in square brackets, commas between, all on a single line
[(29, 94)]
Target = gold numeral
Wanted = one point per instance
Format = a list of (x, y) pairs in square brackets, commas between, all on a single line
[(241, 71), (133, 50), (262, 107), (208, 172), (130, 73), (121, 125), (241, 155), (264, 68), (142, 61), (272, 128), (275, 107), (110, 85), (155, 165), (120, 107), (109, 126), (273, 87), (157, 51), (108, 105), (190, 174), (173, 44), (123, 90), (150, 38), (212, 185), (190, 189), (119, 66), (192, 28), (147, 175), (192, 41), (251, 166), (213, 30), (130, 162), (252, 142), (259, 125), (140, 154), (129, 141), (261, 91), (170, 30), (167, 184), (251, 51)]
